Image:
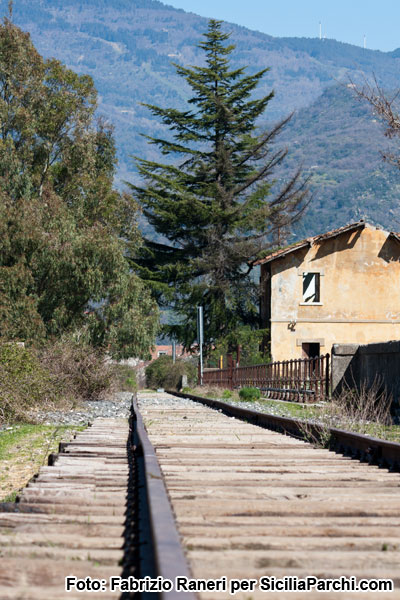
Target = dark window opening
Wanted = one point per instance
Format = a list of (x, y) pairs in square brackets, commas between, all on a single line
[(311, 287)]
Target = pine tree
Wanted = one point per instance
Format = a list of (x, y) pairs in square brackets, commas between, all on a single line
[(211, 204)]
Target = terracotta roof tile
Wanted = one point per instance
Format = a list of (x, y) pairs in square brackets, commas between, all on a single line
[(310, 241)]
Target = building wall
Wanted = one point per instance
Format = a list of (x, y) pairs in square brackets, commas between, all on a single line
[(359, 293), (167, 350)]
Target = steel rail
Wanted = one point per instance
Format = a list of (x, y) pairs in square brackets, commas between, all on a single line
[(170, 561), (375, 451), (152, 545)]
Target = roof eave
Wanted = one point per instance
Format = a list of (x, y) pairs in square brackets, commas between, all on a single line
[(282, 253), (310, 241)]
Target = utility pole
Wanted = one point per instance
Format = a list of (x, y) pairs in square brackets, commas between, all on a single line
[(200, 341)]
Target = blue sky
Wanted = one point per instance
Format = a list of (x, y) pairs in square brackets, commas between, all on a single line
[(343, 20)]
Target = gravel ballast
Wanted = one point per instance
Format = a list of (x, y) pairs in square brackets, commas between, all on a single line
[(119, 407), (89, 410), (148, 399)]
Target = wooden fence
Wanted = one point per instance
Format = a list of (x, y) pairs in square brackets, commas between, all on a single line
[(301, 380)]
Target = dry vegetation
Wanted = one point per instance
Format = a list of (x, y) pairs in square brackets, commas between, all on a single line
[(365, 411), (58, 376)]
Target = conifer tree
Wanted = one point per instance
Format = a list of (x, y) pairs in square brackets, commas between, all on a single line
[(212, 205)]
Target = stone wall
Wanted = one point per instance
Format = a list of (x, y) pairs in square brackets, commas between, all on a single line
[(355, 365)]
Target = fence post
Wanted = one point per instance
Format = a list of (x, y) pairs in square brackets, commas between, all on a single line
[(291, 395), (230, 370), (327, 377)]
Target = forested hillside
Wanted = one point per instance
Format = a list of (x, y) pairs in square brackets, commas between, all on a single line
[(339, 142), (127, 46)]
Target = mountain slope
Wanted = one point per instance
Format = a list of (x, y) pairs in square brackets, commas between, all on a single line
[(128, 45), (339, 142)]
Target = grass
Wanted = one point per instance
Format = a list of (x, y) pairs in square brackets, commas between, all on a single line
[(291, 409), (11, 497), (24, 448), (279, 407), (382, 432)]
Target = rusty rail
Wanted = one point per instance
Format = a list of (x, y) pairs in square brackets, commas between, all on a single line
[(169, 558), (106, 483), (301, 379)]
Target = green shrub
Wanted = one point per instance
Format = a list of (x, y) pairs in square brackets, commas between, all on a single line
[(249, 393), (24, 383), (163, 373), (126, 378), (226, 394)]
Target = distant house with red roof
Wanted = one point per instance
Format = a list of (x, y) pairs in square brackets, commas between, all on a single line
[(166, 349)]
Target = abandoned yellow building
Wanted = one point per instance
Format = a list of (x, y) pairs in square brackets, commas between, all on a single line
[(339, 287)]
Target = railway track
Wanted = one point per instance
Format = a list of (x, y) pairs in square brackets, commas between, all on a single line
[(251, 503), (245, 504), (365, 448), (100, 511)]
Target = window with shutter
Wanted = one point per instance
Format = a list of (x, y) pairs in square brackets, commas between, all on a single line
[(311, 288)]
